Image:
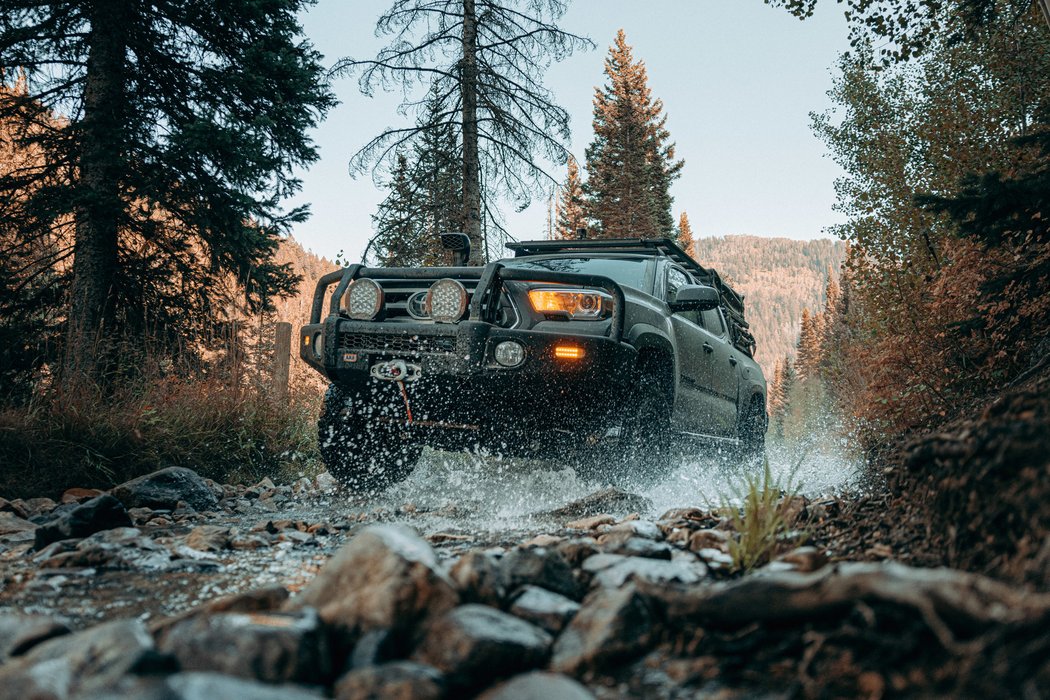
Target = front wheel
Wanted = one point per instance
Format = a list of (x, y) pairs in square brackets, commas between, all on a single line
[(364, 453), (751, 433)]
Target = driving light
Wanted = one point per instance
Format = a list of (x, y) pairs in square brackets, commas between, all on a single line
[(510, 353), (318, 345), (363, 300), (568, 352), (579, 304), (446, 301)]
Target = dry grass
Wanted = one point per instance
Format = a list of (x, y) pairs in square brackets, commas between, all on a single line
[(759, 517), (84, 437)]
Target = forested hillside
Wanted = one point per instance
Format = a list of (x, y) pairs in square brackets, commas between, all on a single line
[(778, 277)]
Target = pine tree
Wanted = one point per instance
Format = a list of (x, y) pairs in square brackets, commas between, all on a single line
[(686, 241), (183, 123), (485, 60), (570, 207), (630, 163), (807, 363)]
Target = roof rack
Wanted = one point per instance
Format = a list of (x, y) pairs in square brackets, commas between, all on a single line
[(732, 300)]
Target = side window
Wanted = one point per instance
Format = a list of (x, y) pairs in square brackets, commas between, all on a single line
[(676, 279), (713, 321)]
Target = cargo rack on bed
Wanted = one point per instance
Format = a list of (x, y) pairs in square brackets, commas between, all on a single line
[(732, 301)]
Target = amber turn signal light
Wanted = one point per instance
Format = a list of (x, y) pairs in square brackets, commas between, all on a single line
[(568, 352)]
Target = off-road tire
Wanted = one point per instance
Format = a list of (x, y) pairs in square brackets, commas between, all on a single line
[(644, 451), (751, 434), (364, 454)]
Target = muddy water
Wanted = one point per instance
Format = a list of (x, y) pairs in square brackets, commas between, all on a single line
[(458, 500)]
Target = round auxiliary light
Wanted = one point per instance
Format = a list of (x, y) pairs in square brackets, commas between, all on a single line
[(446, 301), (363, 299), (318, 345), (510, 353)]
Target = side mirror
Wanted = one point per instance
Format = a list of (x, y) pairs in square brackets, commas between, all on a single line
[(459, 244), (694, 297)]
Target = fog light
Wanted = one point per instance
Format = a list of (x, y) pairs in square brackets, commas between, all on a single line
[(510, 353), (363, 300), (446, 301), (318, 345)]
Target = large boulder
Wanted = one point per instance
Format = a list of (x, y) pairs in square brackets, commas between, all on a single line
[(165, 488), (475, 645), (385, 578), (80, 663), (19, 633), (399, 680), (268, 647), (538, 686), (613, 624), (100, 513)]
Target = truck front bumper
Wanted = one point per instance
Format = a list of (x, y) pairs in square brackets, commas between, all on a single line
[(462, 385)]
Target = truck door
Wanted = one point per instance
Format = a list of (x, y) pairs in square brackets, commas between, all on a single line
[(724, 372), (696, 407)]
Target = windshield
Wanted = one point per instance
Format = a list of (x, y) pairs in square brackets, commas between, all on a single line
[(625, 272)]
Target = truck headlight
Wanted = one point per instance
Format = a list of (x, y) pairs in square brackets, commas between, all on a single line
[(579, 304), (363, 300), (446, 301)]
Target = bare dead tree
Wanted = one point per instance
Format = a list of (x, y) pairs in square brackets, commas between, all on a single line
[(476, 66)]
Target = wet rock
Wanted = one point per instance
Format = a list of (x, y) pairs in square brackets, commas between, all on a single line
[(613, 571), (20, 633), (386, 577), (475, 644), (11, 523), (538, 685), (607, 500), (83, 662), (248, 542), (208, 538), (265, 599), (326, 483), (38, 506), (612, 625), (165, 488), (684, 514), (400, 680), (716, 558), (200, 686), (95, 515), (270, 647), (804, 559), (79, 495), (590, 523), (119, 548), (16, 507), (543, 541), (545, 609), (627, 543), (576, 551), (140, 516), (264, 489), (638, 528), (477, 575), (708, 539), (537, 566)]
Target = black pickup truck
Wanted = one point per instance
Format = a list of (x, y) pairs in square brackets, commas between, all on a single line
[(603, 353)]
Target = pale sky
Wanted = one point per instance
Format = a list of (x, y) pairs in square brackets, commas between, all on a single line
[(738, 80)]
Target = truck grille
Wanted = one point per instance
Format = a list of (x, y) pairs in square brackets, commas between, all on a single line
[(397, 343)]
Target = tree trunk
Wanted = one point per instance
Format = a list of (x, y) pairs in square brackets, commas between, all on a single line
[(471, 158), (99, 202)]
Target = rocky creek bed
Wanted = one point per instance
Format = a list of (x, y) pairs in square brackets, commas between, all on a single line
[(171, 586)]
